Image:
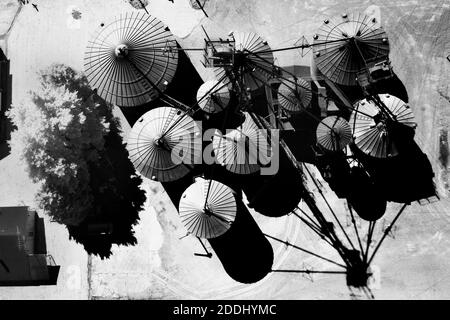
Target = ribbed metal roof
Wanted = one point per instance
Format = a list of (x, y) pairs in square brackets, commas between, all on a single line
[(242, 149), (333, 133), (131, 59), (255, 60), (160, 144), (207, 208), (294, 95), (343, 45), (213, 96), (373, 137)]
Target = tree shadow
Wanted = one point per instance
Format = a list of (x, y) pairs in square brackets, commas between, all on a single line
[(114, 182), (117, 201)]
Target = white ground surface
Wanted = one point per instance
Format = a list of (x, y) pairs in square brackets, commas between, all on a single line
[(413, 265)]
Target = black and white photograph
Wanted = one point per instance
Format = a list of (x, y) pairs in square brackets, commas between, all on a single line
[(224, 150)]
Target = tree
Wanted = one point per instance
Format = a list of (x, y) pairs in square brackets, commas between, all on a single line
[(70, 141)]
